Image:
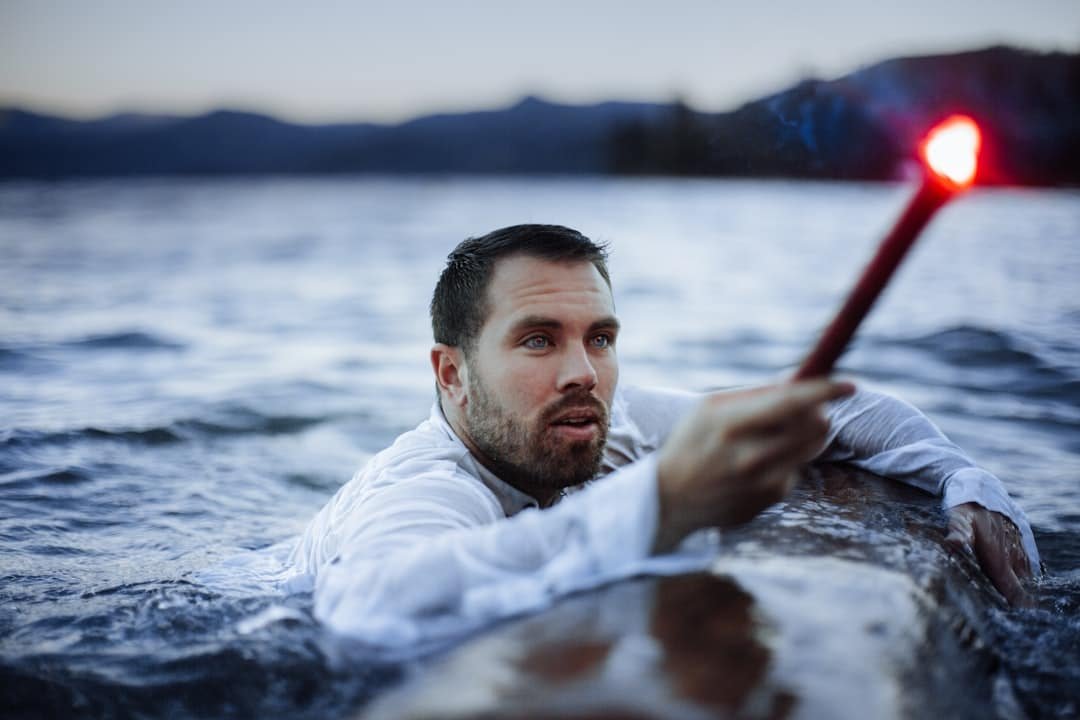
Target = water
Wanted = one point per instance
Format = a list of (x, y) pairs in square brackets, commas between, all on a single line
[(189, 369)]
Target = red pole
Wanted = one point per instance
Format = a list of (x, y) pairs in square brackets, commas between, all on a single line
[(931, 196)]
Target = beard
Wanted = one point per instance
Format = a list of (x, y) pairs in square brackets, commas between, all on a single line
[(532, 456)]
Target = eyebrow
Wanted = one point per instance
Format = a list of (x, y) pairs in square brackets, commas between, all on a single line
[(546, 323)]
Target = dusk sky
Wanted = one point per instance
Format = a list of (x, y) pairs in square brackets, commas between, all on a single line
[(387, 61)]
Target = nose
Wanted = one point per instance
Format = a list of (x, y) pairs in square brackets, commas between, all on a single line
[(577, 370)]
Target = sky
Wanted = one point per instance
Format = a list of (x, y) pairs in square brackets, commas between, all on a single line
[(388, 61)]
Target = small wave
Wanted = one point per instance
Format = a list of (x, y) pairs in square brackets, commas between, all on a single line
[(311, 481), (736, 340), (50, 476), (973, 346), (12, 359), (238, 418), (252, 423), (1070, 317), (269, 616), (1002, 360), (125, 341), (54, 550), (65, 476), (1068, 391), (232, 422), (9, 354), (32, 438), (148, 436), (1061, 548), (131, 587)]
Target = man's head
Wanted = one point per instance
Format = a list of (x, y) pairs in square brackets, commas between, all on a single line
[(524, 359), (461, 303)]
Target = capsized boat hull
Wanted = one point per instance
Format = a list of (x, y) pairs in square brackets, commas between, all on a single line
[(842, 602)]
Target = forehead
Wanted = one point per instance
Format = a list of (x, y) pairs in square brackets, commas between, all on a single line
[(523, 285)]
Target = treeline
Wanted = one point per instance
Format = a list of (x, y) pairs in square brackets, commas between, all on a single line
[(826, 142), (868, 124)]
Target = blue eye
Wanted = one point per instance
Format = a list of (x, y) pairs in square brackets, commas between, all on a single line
[(536, 342), (602, 341)]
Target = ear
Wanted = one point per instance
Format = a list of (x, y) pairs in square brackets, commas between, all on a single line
[(451, 374)]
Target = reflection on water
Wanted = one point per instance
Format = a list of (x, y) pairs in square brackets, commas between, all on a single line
[(681, 647), (709, 633)]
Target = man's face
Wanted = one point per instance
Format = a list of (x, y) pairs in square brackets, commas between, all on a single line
[(543, 372)]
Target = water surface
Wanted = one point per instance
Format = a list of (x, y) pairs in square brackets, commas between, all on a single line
[(189, 369)]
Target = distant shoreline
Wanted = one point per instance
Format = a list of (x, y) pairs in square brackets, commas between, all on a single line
[(862, 126)]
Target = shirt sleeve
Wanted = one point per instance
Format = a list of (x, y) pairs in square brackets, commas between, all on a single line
[(889, 437), (654, 412), (443, 582), (876, 432)]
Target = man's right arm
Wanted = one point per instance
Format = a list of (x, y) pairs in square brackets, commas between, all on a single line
[(404, 584), (414, 585)]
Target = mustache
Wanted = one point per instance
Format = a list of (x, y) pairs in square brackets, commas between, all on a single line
[(583, 400)]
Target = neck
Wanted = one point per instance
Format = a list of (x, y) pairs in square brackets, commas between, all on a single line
[(544, 496)]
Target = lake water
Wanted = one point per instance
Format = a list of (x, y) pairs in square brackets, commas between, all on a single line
[(190, 368)]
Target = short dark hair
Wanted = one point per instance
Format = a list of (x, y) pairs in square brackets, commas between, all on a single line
[(459, 306)]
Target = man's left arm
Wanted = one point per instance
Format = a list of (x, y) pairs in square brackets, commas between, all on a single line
[(889, 437)]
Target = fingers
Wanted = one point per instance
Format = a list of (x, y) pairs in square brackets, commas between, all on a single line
[(765, 410), (995, 544), (765, 462), (997, 548), (1006, 582), (784, 448), (1021, 565), (995, 564), (961, 535), (735, 456), (1015, 548), (726, 396), (1001, 556)]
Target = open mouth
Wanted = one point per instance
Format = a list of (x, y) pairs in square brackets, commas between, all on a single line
[(577, 424), (577, 418)]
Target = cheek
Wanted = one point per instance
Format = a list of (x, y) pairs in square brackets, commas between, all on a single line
[(527, 382), (607, 370)]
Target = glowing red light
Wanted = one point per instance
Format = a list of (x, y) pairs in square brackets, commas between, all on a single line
[(951, 150)]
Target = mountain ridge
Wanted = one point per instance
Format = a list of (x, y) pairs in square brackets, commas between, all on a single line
[(863, 125)]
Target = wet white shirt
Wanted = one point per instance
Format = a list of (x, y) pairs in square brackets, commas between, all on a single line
[(425, 543)]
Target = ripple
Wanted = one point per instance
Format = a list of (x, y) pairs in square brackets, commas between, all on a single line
[(32, 438), (251, 422), (148, 436), (22, 479), (233, 421), (976, 346), (132, 340), (20, 360), (63, 550)]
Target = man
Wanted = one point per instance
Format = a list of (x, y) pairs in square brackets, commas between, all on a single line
[(487, 509)]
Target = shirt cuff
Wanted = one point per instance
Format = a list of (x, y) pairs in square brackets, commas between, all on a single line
[(633, 512), (626, 511), (978, 486)]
